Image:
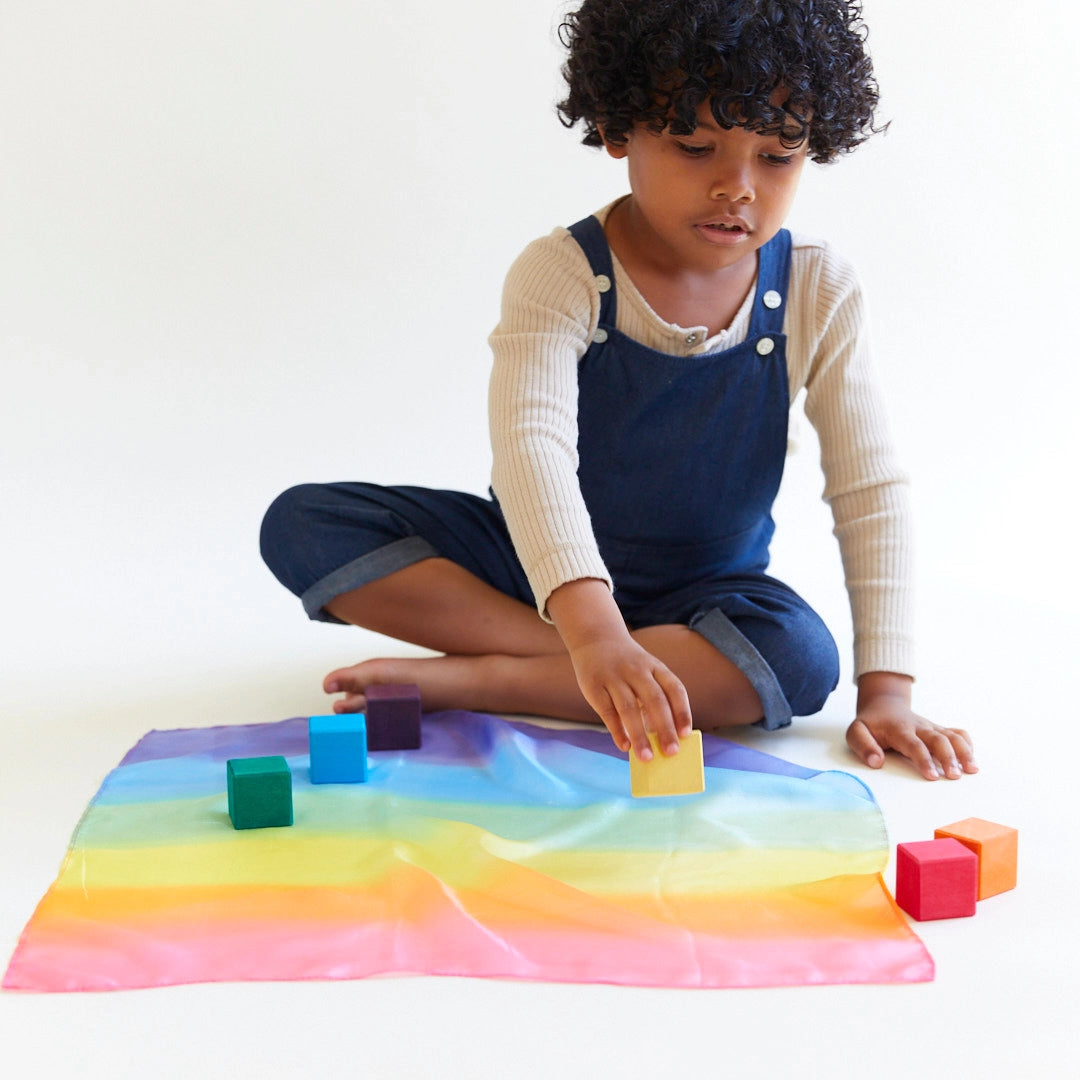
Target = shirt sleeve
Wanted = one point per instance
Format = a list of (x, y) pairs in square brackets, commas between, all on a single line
[(865, 487), (550, 308)]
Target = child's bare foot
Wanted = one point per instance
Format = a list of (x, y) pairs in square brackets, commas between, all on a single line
[(446, 682), (534, 685)]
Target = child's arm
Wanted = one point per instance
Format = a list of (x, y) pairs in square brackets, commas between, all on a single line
[(884, 721), (550, 309), (867, 491), (626, 685)]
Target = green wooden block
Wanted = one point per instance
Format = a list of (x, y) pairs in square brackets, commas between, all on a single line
[(260, 792)]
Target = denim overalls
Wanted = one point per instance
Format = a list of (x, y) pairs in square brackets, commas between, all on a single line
[(680, 460)]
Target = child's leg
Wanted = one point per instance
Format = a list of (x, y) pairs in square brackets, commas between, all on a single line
[(545, 684), (441, 606), (438, 569), (776, 639)]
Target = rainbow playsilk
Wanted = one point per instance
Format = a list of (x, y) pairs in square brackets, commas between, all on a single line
[(498, 849)]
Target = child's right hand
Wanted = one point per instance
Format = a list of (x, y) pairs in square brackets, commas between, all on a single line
[(629, 689), (633, 693)]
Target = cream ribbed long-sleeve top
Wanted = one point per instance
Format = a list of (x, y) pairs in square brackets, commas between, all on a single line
[(550, 310)]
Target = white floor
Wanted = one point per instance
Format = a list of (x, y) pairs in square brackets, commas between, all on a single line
[(1003, 1003)]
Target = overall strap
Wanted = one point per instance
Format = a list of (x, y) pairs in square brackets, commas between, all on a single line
[(770, 302), (589, 234)]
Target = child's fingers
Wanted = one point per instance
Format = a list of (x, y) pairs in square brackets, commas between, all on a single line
[(964, 749), (605, 706), (678, 701), (939, 744), (935, 751), (616, 702), (953, 751), (864, 745), (633, 720), (918, 753), (656, 714), (633, 694)]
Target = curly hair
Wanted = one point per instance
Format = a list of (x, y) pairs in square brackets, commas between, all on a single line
[(656, 61)]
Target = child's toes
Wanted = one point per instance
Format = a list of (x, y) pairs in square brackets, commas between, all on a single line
[(351, 703), (341, 681)]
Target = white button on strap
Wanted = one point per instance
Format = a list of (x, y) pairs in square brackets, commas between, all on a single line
[(765, 346), (600, 335), (772, 299), (691, 339), (603, 282)]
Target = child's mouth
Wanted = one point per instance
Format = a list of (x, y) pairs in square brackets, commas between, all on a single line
[(723, 232)]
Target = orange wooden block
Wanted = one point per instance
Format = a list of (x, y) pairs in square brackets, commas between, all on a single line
[(996, 846), (681, 774)]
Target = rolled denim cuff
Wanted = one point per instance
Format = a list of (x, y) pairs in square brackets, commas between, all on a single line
[(720, 632), (370, 567)]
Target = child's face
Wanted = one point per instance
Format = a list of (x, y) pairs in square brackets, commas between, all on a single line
[(707, 201)]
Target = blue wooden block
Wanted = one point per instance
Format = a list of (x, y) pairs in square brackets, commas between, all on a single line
[(338, 747), (260, 792)]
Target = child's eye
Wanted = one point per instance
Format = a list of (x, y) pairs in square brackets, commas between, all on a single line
[(693, 151), (778, 159)]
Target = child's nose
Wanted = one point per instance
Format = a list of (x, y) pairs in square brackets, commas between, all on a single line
[(733, 183)]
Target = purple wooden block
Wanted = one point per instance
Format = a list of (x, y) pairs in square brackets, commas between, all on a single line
[(393, 716)]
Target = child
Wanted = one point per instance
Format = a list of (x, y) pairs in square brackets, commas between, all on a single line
[(644, 366)]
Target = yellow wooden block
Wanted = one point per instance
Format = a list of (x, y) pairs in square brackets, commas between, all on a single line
[(681, 774), (996, 845)]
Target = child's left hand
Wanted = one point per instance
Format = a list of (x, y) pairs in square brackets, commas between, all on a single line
[(884, 720)]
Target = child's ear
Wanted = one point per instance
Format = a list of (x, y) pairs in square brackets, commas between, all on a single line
[(616, 150)]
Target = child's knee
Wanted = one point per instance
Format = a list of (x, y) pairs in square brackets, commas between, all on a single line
[(781, 645), (285, 528), (807, 666)]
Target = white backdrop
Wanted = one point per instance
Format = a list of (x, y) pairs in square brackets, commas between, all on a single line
[(246, 243)]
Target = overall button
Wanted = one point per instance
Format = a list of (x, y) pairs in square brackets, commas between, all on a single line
[(765, 346), (691, 339), (772, 299), (600, 336), (603, 282)]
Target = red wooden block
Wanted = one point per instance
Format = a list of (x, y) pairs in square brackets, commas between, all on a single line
[(936, 879)]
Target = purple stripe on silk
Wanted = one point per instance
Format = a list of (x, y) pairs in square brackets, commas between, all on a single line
[(448, 736)]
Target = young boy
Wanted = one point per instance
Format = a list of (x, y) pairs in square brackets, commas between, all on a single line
[(644, 367)]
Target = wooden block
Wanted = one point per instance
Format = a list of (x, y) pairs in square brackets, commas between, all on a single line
[(338, 748), (936, 879), (996, 848), (393, 716), (260, 792), (681, 774)]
